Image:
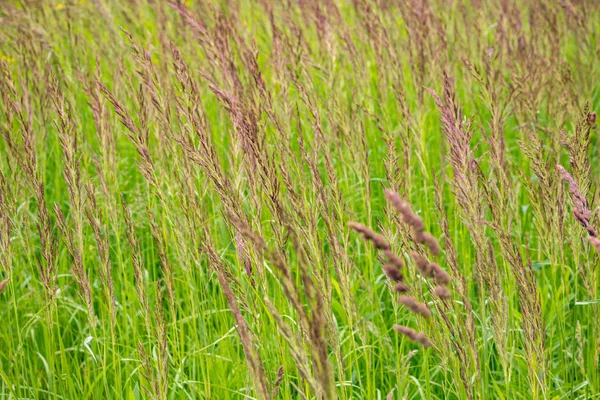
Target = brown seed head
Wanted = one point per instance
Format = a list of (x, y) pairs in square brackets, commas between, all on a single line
[(416, 223), (396, 201), (392, 272), (3, 285), (421, 263), (594, 242), (442, 292), (394, 259), (581, 210), (431, 243), (401, 287), (414, 306), (441, 277), (368, 234), (278, 381), (413, 335)]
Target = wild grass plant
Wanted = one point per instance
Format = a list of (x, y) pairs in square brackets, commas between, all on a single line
[(365, 199)]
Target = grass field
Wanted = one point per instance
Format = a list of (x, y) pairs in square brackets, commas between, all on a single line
[(311, 199)]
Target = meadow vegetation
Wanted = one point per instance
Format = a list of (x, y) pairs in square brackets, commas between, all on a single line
[(299, 199)]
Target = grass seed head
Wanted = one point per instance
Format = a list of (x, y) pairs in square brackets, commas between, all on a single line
[(415, 306), (392, 272), (393, 259), (401, 287), (442, 292), (422, 264), (441, 277), (3, 285), (413, 335), (594, 242), (368, 234)]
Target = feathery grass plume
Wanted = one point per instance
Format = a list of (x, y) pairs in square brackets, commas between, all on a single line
[(534, 339), (138, 266), (69, 145), (95, 218), (415, 306), (413, 335), (106, 161), (398, 157), (73, 238), (252, 357), (75, 249), (394, 259), (237, 97), (393, 273), (165, 263), (414, 221), (401, 287), (278, 381), (313, 343), (440, 276), (430, 242), (148, 372), (97, 106), (493, 95), (47, 265), (6, 210), (430, 269), (19, 112), (162, 355), (441, 292), (583, 215), (580, 207), (427, 269), (465, 187), (578, 145), (458, 133), (194, 123), (391, 270), (3, 284), (467, 173), (138, 135), (156, 370), (368, 234), (152, 80), (546, 192), (547, 204), (595, 242), (422, 264)]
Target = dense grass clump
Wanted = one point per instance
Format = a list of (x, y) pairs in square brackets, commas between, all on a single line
[(316, 199)]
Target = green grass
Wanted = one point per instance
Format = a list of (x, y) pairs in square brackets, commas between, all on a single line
[(247, 154)]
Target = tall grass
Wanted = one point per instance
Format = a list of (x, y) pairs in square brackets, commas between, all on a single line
[(300, 199)]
